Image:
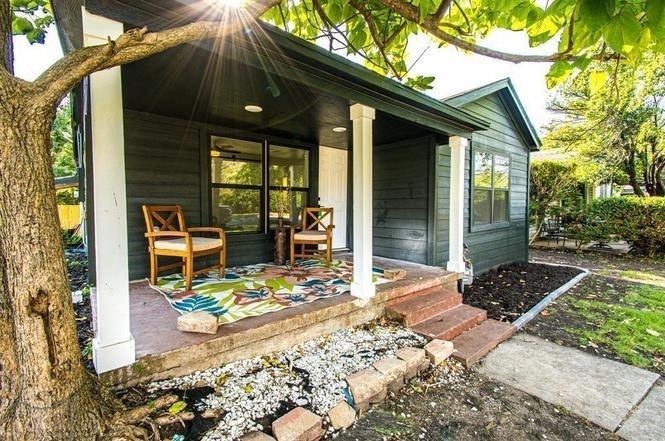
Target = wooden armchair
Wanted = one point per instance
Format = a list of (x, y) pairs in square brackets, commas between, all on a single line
[(167, 239), (316, 229)]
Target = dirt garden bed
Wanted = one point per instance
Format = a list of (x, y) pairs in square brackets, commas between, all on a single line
[(511, 290)]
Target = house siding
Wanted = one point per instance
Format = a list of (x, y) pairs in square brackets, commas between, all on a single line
[(401, 200), (495, 246), (163, 165)]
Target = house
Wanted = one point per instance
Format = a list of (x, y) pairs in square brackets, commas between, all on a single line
[(396, 166)]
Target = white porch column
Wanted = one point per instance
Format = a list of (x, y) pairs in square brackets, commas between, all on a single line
[(456, 225), (362, 285), (113, 345)]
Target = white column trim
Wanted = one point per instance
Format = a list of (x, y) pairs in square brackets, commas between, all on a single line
[(113, 345), (362, 285), (458, 147)]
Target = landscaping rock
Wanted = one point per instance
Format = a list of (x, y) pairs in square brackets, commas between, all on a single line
[(298, 425), (199, 321), (438, 350), (393, 369), (366, 385), (257, 436), (415, 360), (342, 416)]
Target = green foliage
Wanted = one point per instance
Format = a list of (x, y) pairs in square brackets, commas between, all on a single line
[(617, 129), (639, 221), (554, 192), (31, 18), (70, 239), (67, 196), (62, 147), (585, 29)]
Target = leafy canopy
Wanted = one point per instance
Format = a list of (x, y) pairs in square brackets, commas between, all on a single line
[(379, 30), (31, 18)]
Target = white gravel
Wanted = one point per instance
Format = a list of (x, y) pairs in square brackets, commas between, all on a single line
[(310, 375)]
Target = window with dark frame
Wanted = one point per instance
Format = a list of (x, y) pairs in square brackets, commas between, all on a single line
[(236, 180), (244, 173), (491, 188), (288, 178)]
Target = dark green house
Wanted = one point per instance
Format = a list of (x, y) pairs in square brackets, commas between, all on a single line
[(226, 128)]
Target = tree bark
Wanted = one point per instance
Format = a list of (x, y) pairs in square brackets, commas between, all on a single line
[(632, 174), (46, 393)]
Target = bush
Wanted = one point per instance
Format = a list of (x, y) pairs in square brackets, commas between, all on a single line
[(638, 221)]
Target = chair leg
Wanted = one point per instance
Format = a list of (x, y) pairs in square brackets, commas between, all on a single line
[(190, 272), (328, 251), (293, 254), (153, 268), (222, 262)]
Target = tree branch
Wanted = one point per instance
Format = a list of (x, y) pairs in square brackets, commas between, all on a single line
[(374, 32), (136, 44), (433, 26), (6, 49)]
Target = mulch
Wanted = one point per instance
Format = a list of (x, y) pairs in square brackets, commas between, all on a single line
[(511, 290), (77, 268)]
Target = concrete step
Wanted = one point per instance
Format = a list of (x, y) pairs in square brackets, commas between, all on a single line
[(423, 305), (451, 323), (472, 345)]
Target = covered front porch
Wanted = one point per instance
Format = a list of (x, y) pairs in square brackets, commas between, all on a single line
[(162, 351), (161, 131)]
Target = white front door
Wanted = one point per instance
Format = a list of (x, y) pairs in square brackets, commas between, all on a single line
[(332, 189)]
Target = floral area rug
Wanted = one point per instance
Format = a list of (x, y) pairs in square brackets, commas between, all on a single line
[(249, 291)]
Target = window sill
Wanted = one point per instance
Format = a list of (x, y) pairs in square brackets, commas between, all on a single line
[(489, 227)]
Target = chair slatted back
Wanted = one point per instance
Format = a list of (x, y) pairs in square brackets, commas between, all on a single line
[(315, 217), (164, 218)]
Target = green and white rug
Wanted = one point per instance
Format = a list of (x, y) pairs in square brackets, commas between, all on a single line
[(250, 291)]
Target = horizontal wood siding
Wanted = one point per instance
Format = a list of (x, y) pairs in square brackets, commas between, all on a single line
[(496, 246), (401, 200), (163, 166)]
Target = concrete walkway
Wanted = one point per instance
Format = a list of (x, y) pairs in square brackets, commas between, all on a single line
[(606, 392)]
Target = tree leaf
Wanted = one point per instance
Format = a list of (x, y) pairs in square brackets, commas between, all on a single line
[(655, 15), (177, 407), (597, 80), (595, 13), (21, 25), (558, 72), (623, 32)]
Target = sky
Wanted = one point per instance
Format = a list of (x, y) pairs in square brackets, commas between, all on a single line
[(455, 70)]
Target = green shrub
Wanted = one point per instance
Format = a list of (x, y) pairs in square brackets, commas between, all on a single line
[(639, 221)]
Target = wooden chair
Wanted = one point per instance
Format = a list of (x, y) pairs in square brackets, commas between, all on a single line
[(311, 234), (167, 239)]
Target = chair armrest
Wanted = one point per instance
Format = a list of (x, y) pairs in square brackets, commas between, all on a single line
[(167, 234), (220, 231)]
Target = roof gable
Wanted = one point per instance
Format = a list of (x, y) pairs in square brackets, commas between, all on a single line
[(506, 91)]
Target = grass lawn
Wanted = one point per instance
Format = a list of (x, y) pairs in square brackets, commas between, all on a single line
[(617, 312), (633, 328)]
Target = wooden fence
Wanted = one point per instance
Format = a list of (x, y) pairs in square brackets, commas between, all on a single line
[(70, 216)]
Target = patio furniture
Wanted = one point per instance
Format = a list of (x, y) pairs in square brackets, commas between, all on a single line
[(168, 235), (316, 229)]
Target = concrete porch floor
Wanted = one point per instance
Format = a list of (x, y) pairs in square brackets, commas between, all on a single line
[(162, 351)]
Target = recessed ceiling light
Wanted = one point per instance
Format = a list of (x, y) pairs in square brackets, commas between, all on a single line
[(339, 129), (254, 109)]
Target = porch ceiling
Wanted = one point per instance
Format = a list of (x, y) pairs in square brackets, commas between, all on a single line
[(191, 83)]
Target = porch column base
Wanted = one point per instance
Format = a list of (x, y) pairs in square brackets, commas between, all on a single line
[(456, 266), (363, 290), (114, 356)]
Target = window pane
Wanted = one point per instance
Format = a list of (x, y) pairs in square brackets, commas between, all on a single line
[(482, 206), (235, 161), (482, 174), (288, 205), (236, 209), (289, 167), (501, 172), (500, 206)]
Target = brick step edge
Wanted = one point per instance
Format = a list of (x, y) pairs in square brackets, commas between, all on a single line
[(460, 319), (475, 343), (422, 307)]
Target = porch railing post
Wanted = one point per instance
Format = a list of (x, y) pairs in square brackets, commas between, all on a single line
[(362, 285), (458, 147), (113, 345)]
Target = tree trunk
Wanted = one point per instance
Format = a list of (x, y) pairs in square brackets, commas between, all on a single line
[(45, 392), (632, 174)]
